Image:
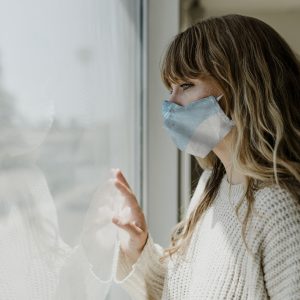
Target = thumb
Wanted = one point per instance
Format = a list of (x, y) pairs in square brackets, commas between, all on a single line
[(131, 227)]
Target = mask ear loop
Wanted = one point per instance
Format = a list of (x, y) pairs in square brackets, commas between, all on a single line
[(219, 97)]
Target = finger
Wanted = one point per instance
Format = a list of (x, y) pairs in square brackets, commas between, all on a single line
[(131, 227), (119, 175), (138, 229), (129, 196)]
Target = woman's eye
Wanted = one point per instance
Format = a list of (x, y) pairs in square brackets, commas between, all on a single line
[(186, 85)]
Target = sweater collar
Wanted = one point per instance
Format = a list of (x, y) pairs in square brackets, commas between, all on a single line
[(232, 191)]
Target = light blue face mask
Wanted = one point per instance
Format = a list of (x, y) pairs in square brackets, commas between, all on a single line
[(197, 127)]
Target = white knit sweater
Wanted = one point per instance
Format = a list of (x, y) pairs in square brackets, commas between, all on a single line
[(217, 265)]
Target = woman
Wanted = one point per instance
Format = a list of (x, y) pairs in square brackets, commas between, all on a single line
[(234, 105)]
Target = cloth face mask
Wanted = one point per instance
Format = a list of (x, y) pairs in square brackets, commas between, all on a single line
[(197, 127)]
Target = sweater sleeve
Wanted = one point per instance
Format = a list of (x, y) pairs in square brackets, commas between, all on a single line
[(281, 247), (145, 278)]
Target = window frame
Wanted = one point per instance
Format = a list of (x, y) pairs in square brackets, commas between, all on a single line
[(160, 181)]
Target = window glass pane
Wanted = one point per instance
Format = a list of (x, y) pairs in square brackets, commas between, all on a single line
[(69, 106)]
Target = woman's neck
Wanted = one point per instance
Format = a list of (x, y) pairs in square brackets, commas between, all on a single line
[(223, 151)]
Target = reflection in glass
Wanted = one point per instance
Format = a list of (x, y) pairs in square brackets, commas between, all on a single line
[(68, 94)]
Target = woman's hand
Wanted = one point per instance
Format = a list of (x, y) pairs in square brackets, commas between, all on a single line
[(135, 224)]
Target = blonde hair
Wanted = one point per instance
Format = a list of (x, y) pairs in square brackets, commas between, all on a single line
[(259, 75)]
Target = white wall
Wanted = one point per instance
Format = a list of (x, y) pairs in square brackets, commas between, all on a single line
[(286, 23), (283, 16)]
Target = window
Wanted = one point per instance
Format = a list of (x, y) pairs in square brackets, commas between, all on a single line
[(70, 101)]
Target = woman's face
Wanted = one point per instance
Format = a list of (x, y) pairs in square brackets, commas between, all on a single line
[(194, 89)]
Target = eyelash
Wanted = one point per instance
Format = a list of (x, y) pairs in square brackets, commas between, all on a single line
[(182, 85)]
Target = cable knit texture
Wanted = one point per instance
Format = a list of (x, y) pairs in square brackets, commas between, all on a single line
[(217, 264)]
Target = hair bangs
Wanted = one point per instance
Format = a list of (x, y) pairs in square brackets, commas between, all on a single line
[(182, 61)]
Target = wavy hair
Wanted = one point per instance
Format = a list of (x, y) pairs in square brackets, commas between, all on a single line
[(260, 78)]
